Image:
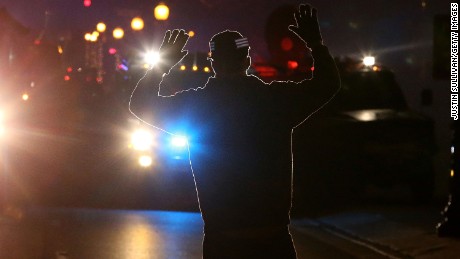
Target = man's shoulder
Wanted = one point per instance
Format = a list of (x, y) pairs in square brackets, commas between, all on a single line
[(255, 80), (238, 79), (258, 81), (190, 91)]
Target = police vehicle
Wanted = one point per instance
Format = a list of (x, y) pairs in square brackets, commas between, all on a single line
[(366, 142)]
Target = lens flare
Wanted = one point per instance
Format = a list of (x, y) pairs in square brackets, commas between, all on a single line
[(145, 161), (141, 140), (179, 141)]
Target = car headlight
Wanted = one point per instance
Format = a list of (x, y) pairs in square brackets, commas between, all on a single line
[(369, 61), (145, 161), (141, 140), (152, 58), (179, 141)]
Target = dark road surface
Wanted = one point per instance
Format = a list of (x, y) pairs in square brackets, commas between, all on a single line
[(124, 234)]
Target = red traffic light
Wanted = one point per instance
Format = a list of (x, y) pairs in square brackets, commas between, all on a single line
[(292, 64)]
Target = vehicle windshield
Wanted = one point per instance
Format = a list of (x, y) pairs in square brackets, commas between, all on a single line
[(370, 90)]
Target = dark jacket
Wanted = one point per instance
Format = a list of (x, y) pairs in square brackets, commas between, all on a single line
[(240, 141)]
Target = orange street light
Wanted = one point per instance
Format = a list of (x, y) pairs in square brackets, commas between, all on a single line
[(101, 27), (94, 36), (118, 33), (137, 24), (88, 36), (161, 12)]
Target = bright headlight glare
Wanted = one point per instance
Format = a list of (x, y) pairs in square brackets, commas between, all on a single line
[(369, 61), (141, 140), (179, 141), (152, 58), (145, 161)]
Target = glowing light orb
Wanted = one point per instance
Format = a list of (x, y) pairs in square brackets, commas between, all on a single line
[(369, 61), (152, 58), (137, 24), (118, 33), (161, 12), (145, 161), (179, 141), (141, 140), (101, 27)]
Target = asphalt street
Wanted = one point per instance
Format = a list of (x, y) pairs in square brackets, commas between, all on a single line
[(90, 233)]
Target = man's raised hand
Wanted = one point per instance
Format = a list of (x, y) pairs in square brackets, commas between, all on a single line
[(172, 49), (307, 27)]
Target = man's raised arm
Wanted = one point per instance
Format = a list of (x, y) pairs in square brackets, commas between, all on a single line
[(307, 29), (310, 95), (146, 96)]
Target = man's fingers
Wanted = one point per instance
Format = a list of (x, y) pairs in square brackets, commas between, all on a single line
[(182, 39), (297, 17), (174, 36), (308, 11), (314, 14), (305, 10), (301, 10), (166, 37)]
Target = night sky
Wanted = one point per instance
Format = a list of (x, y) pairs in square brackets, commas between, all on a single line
[(349, 27), (398, 33)]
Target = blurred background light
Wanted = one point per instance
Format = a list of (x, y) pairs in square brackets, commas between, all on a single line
[(369, 61), (161, 12), (101, 27), (137, 24), (118, 33)]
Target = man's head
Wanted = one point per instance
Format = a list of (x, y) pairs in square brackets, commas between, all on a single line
[(229, 53)]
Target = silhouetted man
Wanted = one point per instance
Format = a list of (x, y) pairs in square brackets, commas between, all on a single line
[(241, 145)]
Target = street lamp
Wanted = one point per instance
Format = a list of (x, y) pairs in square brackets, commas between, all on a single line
[(118, 33), (161, 12), (137, 24), (94, 36), (88, 36), (101, 27)]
